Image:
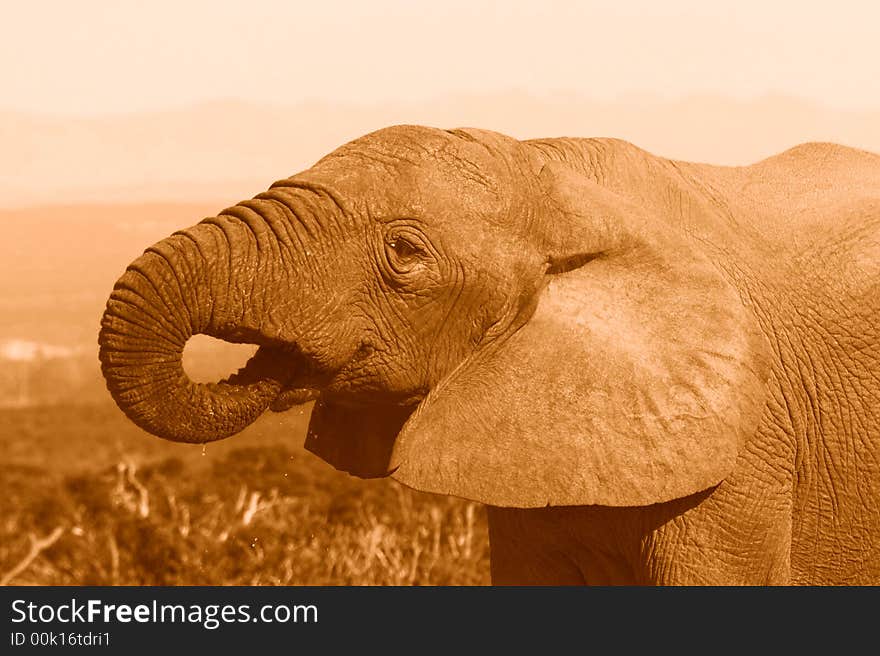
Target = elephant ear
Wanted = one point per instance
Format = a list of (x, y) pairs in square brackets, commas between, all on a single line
[(637, 380)]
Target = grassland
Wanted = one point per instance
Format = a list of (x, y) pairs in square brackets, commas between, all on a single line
[(86, 498)]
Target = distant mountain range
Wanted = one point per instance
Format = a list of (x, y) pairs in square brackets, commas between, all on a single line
[(225, 151)]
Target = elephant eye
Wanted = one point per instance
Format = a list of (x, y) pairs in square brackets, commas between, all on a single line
[(403, 254), (402, 248)]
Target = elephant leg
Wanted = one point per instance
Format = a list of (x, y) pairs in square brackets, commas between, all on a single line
[(524, 552), (707, 543), (736, 534), (709, 546), (565, 545)]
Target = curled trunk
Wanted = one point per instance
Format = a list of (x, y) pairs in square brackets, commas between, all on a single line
[(195, 282)]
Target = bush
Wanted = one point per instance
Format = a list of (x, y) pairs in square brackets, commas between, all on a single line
[(258, 515)]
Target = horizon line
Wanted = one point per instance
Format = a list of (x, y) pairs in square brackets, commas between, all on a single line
[(635, 97)]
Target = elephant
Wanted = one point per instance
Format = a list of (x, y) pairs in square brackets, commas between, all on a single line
[(650, 371)]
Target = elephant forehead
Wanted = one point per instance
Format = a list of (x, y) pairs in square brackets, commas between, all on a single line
[(417, 171)]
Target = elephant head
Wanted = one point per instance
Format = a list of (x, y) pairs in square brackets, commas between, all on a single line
[(469, 316)]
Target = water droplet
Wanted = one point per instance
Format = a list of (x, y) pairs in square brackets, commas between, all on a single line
[(204, 449)]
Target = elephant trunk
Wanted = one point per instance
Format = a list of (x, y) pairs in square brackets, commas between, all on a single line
[(198, 281)]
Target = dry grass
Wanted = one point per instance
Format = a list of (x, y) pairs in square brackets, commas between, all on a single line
[(256, 515)]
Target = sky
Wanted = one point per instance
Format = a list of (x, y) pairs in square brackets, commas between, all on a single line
[(98, 57)]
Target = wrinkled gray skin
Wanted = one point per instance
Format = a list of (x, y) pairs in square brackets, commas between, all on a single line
[(651, 371)]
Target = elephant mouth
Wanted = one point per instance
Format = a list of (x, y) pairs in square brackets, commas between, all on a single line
[(287, 370), (292, 396)]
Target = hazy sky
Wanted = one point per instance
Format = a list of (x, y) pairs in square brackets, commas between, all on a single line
[(96, 56)]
